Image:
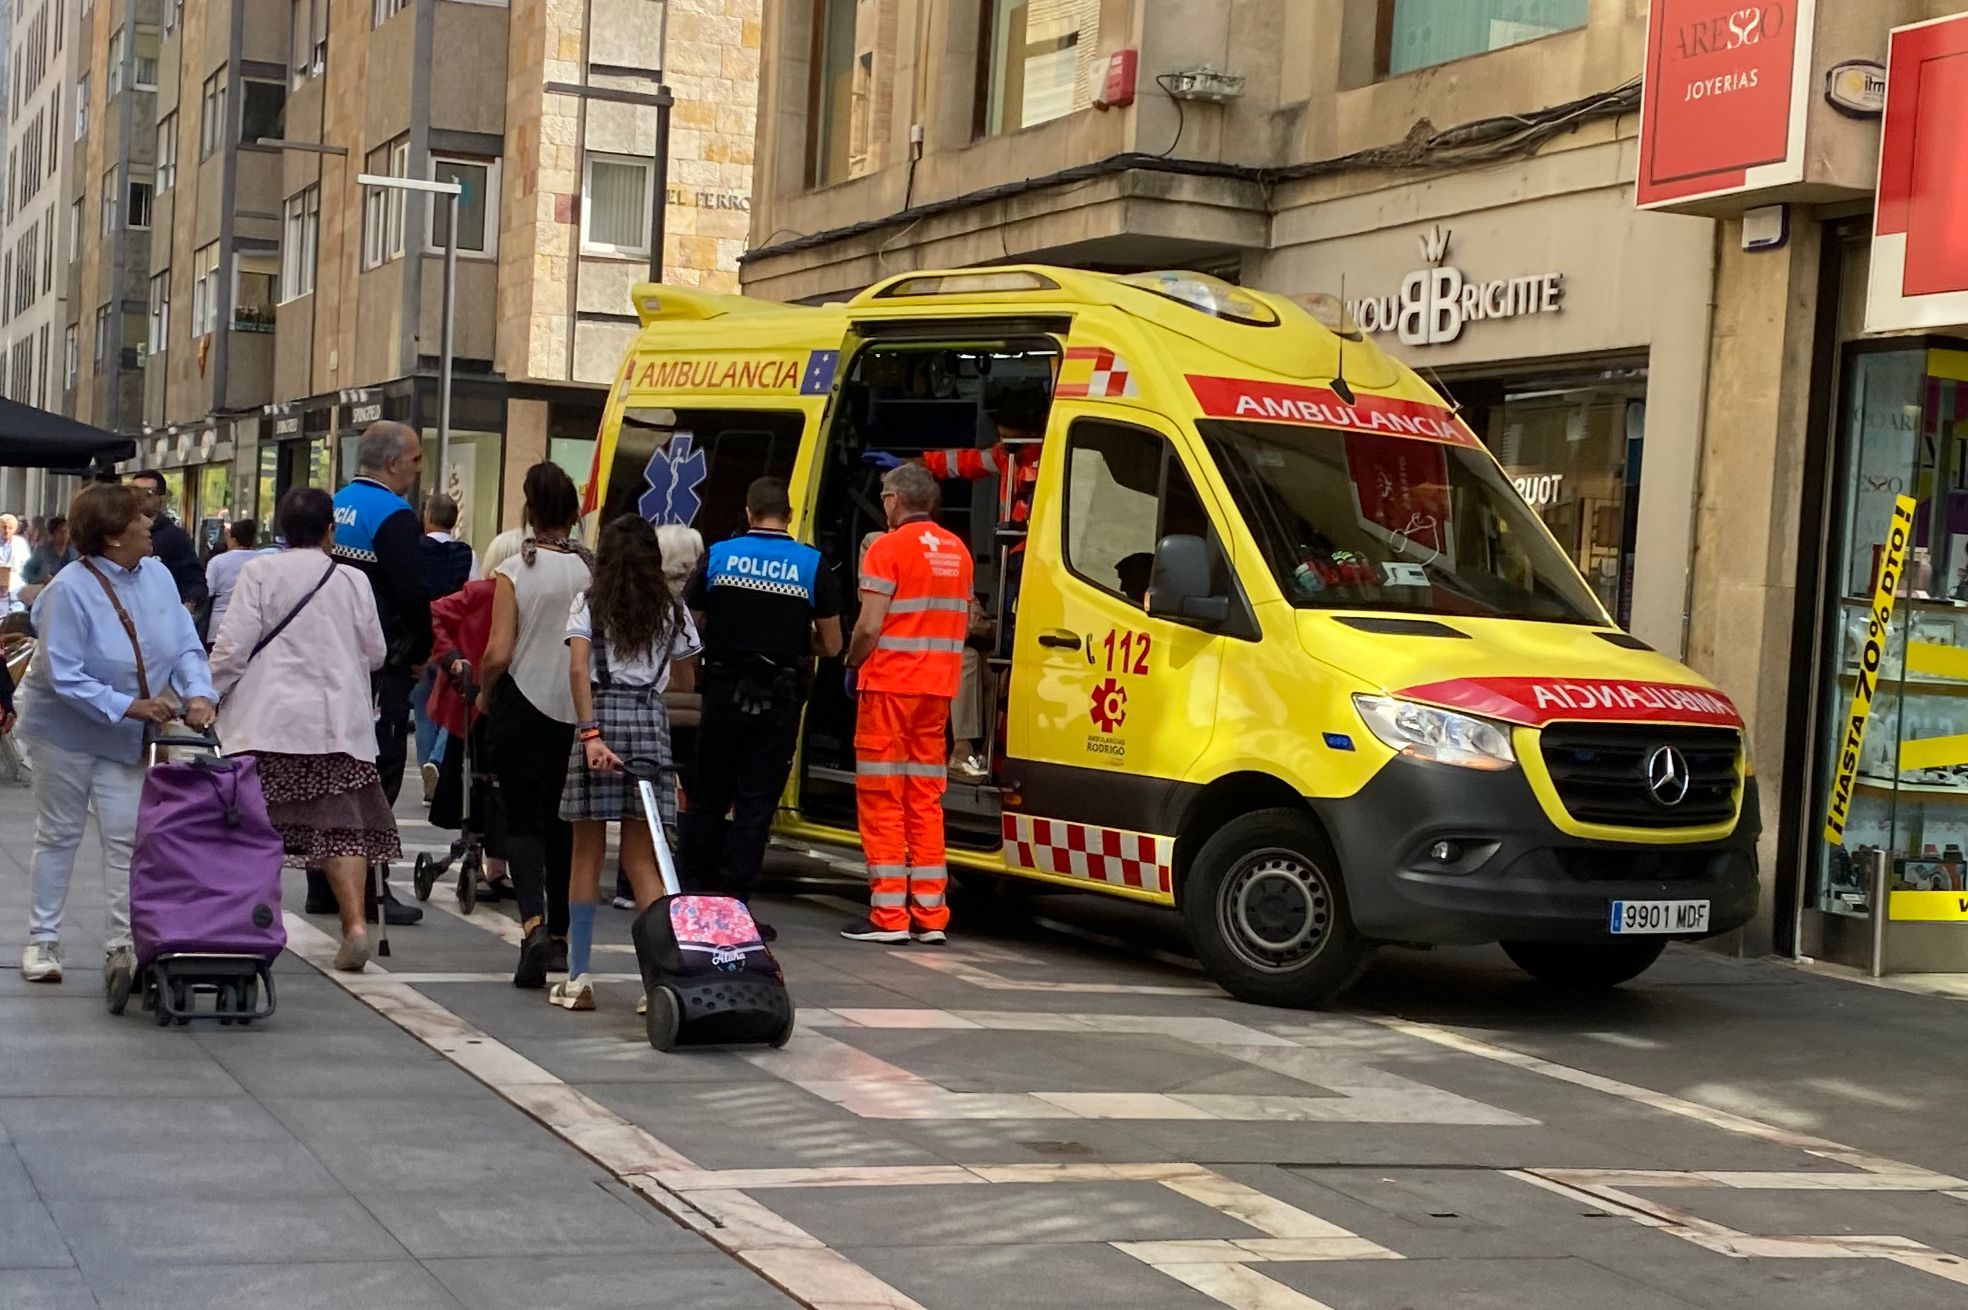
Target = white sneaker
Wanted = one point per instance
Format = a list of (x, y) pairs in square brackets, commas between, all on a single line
[(971, 768), (429, 772), (642, 1003), (574, 994), (41, 962)]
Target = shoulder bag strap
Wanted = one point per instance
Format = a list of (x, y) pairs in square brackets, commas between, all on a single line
[(299, 605), (129, 628)]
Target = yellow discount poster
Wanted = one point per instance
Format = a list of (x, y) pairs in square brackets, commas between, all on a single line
[(1879, 622)]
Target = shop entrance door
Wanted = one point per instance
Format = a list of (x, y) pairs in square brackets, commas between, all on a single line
[(1905, 790)]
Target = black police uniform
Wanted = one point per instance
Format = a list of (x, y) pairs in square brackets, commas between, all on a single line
[(759, 594)]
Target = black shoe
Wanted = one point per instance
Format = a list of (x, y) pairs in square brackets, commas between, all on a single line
[(532, 970), (556, 955), (867, 930), (400, 915), (930, 937), (320, 896)]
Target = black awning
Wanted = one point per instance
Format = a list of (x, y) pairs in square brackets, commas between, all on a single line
[(36, 439)]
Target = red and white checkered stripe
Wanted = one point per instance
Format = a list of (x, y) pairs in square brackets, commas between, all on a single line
[(1078, 850), (1107, 374)]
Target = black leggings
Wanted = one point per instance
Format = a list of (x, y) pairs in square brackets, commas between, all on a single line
[(532, 750)]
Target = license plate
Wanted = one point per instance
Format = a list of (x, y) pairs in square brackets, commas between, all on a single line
[(1637, 917)]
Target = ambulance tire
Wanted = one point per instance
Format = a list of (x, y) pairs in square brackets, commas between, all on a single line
[(1267, 914), (1585, 968)]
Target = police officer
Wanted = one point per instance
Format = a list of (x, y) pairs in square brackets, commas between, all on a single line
[(765, 605)]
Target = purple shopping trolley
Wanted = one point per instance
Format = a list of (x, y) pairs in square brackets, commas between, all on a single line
[(205, 887)]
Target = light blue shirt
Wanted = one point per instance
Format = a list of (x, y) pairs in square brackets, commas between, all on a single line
[(84, 674)]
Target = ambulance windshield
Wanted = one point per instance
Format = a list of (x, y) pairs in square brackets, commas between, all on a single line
[(1351, 520)]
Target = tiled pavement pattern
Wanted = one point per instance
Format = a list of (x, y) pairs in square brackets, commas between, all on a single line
[(1027, 1118)]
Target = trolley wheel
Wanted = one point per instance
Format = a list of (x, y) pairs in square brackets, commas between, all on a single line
[(181, 1001), (154, 998), (425, 877), (468, 871), (664, 1021), (249, 999), (222, 1005), (785, 1034)]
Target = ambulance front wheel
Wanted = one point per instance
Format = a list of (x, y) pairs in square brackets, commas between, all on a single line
[(1267, 913)]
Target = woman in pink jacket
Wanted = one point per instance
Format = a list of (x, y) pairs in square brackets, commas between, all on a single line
[(291, 666)]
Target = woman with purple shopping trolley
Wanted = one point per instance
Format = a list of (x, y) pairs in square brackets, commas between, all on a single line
[(292, 661), (117, 646)]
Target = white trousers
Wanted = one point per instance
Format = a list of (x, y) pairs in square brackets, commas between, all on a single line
[(67, 786)]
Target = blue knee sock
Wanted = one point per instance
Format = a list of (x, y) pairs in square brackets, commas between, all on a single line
[(580, 936)]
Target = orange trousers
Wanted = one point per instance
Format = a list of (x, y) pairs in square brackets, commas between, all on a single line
[(899, 779)]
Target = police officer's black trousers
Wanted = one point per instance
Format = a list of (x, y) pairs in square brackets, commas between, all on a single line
[(743, 761)]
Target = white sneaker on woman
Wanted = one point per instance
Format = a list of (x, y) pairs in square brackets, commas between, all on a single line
[(574, 994), (41, 962)]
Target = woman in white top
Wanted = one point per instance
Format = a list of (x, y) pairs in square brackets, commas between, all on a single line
[(629, 640), (291, 663), (530, 731)]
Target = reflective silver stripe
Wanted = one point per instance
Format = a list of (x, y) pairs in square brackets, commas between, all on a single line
[(927, 900), (923, 645), (990, 461), (880, 586), (888, 900), (928, 873), (931, 604), (898, 769), (888, 871)]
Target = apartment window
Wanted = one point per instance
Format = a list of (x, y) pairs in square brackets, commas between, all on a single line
[(116, 61), (167, 152), (75, 229), (478, 205), (212, 123), (308, 39), (255, 290), (7, 290), (41, 396), (71, 357), (383, 209), (1039, 57), (145, 77), (102, 336), (388, 9), (109, 190), (615, 205), (264, 110), (160, 312), (300, 248), (840, 117), (205, 290), (54, 130), (61, 10), (140, 195), (1422, 33), (81, 106), (48, 252)]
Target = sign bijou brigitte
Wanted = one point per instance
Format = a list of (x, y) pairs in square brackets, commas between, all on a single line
[(1437, 302)]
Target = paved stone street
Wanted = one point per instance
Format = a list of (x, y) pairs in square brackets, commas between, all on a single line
[(1033, 1116)]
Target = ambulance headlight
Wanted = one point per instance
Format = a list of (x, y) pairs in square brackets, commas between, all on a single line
[(1425, 732)]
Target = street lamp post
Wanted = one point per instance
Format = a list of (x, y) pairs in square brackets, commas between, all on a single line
[(452, 191)]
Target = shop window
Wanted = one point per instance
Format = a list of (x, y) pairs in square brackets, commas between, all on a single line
[(1422, 33), (1038, 62), (255, 290), (850, 103), (1125, 490), (1904, 433), (478, 205), (615, 206), (264, 111)]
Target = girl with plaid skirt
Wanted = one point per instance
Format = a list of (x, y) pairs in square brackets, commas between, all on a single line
[(629, 640)]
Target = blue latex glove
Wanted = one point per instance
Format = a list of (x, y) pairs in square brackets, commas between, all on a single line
[(851, 683), (883, 460)]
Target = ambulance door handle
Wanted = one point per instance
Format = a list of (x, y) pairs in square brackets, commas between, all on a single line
[(1059, 639)]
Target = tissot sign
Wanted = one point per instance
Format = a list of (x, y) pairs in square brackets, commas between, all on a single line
[(1725, 99), (1920, 226)]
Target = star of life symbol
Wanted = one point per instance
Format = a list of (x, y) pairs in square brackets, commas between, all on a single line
[(674, 473)]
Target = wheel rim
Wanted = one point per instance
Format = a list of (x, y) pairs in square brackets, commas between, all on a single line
[(1276, 910)]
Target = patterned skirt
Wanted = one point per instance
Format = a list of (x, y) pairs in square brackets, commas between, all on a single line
[(326, 806), (636, 726)]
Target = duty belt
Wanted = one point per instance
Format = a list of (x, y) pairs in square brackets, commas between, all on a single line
[(756, 683)]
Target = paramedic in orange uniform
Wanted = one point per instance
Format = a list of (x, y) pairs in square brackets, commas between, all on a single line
[(904, 661)]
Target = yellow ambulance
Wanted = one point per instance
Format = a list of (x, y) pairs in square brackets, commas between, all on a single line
[(1279, 644)]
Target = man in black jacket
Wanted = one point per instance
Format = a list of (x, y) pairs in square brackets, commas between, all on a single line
[(171, 543)]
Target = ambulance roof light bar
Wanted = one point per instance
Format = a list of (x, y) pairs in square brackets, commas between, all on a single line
[(968, 283)]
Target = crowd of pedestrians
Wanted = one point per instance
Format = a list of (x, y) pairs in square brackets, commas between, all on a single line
[(563, 677)]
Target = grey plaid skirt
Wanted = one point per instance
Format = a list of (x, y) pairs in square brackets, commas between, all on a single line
[(636, 726)]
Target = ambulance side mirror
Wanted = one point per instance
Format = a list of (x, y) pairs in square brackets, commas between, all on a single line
[(1180, 586)]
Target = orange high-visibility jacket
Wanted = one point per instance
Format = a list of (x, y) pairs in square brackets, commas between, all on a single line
[(925, 571), (1019, 464)]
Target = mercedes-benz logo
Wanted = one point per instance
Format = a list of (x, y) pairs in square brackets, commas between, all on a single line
[(1667, 776)]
